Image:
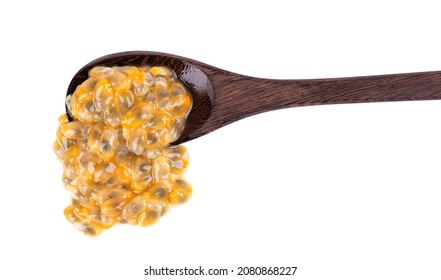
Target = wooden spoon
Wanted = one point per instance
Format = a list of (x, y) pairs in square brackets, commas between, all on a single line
[(221, 97)]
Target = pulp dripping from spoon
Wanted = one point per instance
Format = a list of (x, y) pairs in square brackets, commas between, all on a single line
[(118, 163)]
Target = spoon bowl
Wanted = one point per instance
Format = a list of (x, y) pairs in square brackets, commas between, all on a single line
[(188, 71), (221, 97)]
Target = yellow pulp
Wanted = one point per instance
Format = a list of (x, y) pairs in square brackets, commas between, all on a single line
[(118, 164)]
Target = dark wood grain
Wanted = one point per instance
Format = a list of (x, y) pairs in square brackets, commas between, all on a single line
[(221, 97)]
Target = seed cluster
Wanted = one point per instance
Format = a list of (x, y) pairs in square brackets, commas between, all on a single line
[(118, 164)]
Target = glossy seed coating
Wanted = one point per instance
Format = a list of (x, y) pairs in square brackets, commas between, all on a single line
[(118, 163)]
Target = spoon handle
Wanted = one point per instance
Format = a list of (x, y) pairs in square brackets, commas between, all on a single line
[(239, 96)]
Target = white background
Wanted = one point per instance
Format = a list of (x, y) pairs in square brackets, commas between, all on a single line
[(342, 191)]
